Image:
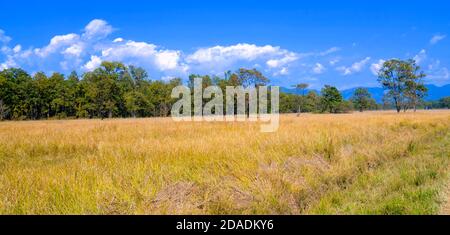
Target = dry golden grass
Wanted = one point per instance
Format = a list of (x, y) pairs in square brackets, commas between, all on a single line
[(370, 163), (445, 210)]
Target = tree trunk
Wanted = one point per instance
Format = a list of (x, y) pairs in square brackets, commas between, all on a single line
[(2, 111), (397, 105)]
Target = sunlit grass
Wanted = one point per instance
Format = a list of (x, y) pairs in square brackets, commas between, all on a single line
[(370, 163)]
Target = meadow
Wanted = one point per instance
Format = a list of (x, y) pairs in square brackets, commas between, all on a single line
[(360, 163)]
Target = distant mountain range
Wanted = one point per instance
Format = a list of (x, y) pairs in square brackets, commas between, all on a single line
[(434, 92)]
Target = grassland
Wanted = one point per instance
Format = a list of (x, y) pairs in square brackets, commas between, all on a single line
[(370, 163)]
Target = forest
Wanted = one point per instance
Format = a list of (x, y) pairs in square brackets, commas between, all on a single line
[(116, 90)]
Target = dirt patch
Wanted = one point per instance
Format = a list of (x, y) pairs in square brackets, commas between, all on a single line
[(315, 162), (177, 198), (445, 210), (239, 198), (110, 204)]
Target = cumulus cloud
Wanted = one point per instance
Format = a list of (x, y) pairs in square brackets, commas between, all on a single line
[(233, 53), (97, 29), (285, 59), (72, 51), (86, 50), (355, 67), (9, 63), (219, 58), (56, 43), (143, 54), (375, 67), (17, 48), (93, 63), (436, 38), (67, 50), (421, 56)]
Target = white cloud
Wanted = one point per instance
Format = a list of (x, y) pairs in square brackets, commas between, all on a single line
[(221, 58), (436, 38), (318, 68), (3, 37), (440, 76), (144, 53), (56, 43), (17, 48), (167, 59), (87, 50), (9, 63), (97, 29), (74, 50), (281, 72), (5, 49), (286, 59), (227, 54), (93, 63), (318, 54), (355, 67), (437, 74), (375, 67), (284, 71), (329, 51), (421, 56), (334, 61), (129, 49), (436, 64)]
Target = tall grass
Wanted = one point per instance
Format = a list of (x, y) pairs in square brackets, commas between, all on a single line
[(371, 163)]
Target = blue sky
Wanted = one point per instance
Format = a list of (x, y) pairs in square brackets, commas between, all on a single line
[(341, 43)]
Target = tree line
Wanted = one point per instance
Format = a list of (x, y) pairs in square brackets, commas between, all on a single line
[(116, 90), (402, 81)]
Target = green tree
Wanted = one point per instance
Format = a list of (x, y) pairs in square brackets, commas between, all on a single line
[(331, 99), (445, 102), (72, 93), (312, 102), (4, 96), (17, 93), (288, 103), (136, 103), (103, 90), (415, 90), (361, 99), (58, 95), (43, 98), (402, 80), (300, 102), (251, 77)]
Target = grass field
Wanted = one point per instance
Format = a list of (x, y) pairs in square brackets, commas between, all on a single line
[(369, 163)]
